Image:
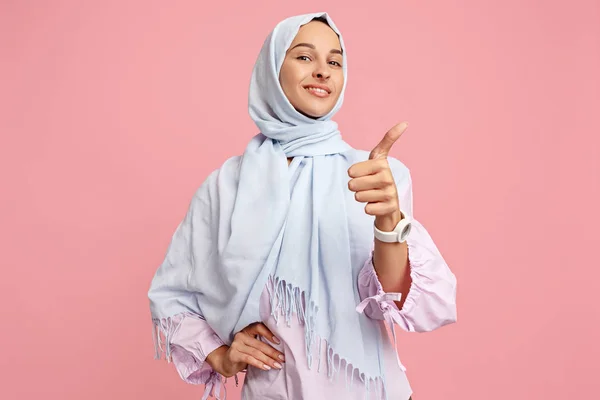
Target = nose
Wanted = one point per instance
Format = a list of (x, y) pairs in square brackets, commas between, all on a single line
[(321, 71)]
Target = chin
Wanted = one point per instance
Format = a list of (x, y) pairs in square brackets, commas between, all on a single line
[(314, 113)]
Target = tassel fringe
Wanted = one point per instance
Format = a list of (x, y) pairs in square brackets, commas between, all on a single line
[(287, 301)]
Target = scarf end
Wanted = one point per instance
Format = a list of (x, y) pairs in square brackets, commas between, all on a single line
[(285, 302), (163, 330)]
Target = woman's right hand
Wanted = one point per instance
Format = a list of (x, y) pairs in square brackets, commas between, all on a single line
[(247, 350)]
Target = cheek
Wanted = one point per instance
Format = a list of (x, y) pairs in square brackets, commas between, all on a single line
[(284, 78), (339, 85), (290, 79)]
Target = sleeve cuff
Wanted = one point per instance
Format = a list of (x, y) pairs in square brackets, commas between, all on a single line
[(188, 340)]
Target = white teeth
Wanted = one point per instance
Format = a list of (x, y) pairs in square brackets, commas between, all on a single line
[(317, 90)]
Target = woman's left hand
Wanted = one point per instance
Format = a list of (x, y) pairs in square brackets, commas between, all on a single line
[(373, 182)]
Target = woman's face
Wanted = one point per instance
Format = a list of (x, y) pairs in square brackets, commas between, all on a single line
[(311, 75)]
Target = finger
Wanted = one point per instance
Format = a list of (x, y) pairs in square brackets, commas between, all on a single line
[(239, 357), (260, 356), (377, 181), (368, 167), (382, 208), (262, 330), (374, 196), (383, 148), (264, 348)]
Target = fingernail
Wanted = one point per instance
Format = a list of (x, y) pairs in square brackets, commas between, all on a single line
[(281, 357), (276, 340), (266, 367), (277, 365)]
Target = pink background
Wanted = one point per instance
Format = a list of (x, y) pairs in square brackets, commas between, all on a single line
[(113, 113)]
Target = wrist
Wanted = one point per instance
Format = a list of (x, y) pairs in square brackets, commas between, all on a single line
[(388, 222), (216, 359)]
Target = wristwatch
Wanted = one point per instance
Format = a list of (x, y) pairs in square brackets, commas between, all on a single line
[(399, 234)]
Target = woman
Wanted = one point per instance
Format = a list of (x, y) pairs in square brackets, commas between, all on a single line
[(266, 241)]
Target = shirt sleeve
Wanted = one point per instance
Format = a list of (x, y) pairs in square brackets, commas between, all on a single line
[(190, 339), (431, 300)]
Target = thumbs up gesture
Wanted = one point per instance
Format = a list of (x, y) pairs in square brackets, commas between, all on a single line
[(373, 183)]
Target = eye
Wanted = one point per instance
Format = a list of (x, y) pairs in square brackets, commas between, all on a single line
[(337, 64), (303, 58)]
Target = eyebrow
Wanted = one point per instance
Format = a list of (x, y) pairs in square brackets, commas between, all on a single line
[(312, 46)]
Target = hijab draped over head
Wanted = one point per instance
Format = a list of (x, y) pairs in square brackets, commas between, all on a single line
[(257, 222)]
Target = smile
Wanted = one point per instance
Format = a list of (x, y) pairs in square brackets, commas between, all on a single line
[(317, 92)]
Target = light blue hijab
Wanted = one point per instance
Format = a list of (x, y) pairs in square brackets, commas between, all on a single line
[(257, 222)]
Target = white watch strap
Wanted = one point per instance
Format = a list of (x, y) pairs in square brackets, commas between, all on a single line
[(399, 234)]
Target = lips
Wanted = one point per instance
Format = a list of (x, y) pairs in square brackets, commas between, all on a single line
[(317, 86), (320, 91)]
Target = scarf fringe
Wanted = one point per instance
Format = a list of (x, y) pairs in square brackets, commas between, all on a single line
[(286, 301), (163, 330)]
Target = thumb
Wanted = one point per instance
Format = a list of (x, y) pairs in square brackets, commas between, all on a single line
[(383, 148)]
